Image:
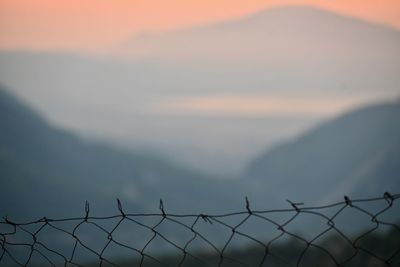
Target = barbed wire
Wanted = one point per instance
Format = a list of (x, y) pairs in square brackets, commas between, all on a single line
[(275, 243)]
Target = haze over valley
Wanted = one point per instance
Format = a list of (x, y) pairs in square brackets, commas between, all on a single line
[(213, 97)]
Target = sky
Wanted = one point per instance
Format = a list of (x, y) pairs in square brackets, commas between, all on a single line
[(94, 26)]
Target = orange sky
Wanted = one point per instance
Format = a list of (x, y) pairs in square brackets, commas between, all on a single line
[(95, 25)]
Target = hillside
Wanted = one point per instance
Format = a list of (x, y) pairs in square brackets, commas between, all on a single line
[(47, 171), (356, 154)]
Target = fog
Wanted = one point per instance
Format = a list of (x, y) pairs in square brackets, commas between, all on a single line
[(125, 96)]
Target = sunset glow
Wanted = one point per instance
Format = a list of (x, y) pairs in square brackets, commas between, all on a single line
[(245, 105), (98, 25)]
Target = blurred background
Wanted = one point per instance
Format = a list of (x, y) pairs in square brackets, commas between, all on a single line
[(142, 100), (210, 88)]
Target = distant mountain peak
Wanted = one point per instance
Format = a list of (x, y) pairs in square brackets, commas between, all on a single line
[(266, 33), (293, 10), (310, 13)]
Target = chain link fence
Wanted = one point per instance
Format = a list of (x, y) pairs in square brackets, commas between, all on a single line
[(351, 232)]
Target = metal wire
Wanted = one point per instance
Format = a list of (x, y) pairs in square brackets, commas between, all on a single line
[(31, 237)]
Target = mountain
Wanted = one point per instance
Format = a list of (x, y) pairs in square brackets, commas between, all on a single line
[(270, 34), (282, 52), (285, 49), (356, 154), (47, 171)]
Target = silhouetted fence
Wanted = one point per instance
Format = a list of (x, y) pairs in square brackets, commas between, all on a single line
[(353, 232)]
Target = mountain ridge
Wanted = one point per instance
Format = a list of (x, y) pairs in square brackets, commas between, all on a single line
[(296, 20), (41, 164), (265, 12), (358, 152)]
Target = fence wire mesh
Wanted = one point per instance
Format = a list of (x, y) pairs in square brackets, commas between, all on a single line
[(165, 239)]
